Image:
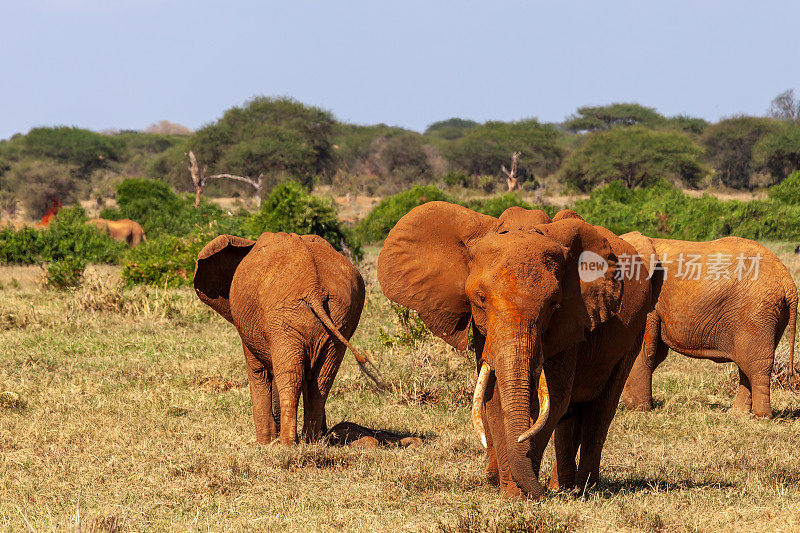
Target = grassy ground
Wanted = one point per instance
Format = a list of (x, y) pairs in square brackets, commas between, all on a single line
[(137, 417)]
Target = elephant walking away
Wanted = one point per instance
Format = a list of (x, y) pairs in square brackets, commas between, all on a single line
[(295, 302), (124, 230), (554, 343), (726, 316)]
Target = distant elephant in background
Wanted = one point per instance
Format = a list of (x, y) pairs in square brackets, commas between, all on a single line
[(725, 319), (295, 302), (123, 230)]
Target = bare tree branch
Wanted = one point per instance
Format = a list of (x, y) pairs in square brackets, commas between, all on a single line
[(511, 176), (200, 179)]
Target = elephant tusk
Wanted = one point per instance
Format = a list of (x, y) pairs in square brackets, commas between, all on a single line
[(544, 410), (477, 401)]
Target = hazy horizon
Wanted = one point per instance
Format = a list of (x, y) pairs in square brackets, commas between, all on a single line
[(124, 64)]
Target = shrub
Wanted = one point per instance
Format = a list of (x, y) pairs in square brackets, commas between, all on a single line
[(40, 184), (456, 178), (635, 155), (384, 216), (495, 205), (69, 236), (84, 148), (291, 209), (663, 211), (166, 261), (788, 191), (65, 273), (23, 246)]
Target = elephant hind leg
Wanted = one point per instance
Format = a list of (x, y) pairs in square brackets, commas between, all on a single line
[(744, 395), (317, 387), (261, 388), (638, 391), (287, 367)]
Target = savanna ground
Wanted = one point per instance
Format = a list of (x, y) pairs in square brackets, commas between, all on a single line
[(136, 416)]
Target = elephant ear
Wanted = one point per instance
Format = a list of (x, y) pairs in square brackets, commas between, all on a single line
[(592, 290), (518, 218), (424, 266), (645, 249), (216, 264)]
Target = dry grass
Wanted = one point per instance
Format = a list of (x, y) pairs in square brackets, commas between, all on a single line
[(136, 416)]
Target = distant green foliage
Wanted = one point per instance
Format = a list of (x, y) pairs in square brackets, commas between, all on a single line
[(635, 155), (788, 191), (664, 211), (485, 149), (160, 211), (729, 147), (68, 236), (41, 183), (450, 129), (167, 261), (384, 216), (65, 273), (405, 154), (268, 135), (23, 246), (291, 209), (779, 152), (691, 125), (495, 205), (83, 148), (592, 118)]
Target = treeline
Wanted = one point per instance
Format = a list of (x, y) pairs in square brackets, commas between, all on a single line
[(273, 140)]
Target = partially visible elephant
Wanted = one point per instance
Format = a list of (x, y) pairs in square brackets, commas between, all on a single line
[(295, 302), (711, 312), (123, 230), (554, 344)]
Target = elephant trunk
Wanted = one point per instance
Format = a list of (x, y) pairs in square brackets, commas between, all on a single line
[(515, 378)]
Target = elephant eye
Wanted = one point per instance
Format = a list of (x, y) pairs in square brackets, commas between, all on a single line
[(481, 297)]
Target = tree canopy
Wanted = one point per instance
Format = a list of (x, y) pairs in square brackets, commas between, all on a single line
[(593, 118), (637, 156)]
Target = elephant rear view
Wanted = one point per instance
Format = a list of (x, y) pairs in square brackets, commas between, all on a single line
[(295, 302), (727, 300), (124, 230)]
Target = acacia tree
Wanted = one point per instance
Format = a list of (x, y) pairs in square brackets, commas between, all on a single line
[(593, 118), (268, 136), (636, 155)]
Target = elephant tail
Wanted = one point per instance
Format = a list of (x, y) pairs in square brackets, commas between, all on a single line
[(791, 298), (364, 363)]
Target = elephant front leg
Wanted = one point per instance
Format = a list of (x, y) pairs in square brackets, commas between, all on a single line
[(261, 386), (566, 439), (638, 391)]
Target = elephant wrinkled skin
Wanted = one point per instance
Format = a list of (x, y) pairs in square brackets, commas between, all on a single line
[(295, 302), (124, 230), (536, 325), (725, 319)]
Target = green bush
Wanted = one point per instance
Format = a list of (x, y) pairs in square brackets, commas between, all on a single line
[(65, 273), (23, 246), (664, 211), (779, 153), (160, 211), (84, 148), (67, 237), (375, 227), (291, 209), (495, 205), (167, 261), (787, 191)]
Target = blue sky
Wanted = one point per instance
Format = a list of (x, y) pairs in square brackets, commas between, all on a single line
[(126, 64)]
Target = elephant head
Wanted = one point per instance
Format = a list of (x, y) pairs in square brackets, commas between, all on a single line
[(521, 290)]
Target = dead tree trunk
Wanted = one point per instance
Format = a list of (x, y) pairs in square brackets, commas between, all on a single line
[(200, 179), (511, 176)]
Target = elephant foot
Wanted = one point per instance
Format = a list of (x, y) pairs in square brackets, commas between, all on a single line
[(638, 404), (492, 473), (557, 485), (511, 492)]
